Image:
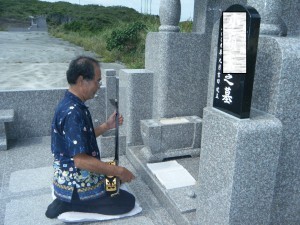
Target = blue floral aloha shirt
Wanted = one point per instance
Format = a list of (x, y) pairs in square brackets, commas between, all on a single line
[(73, 133)]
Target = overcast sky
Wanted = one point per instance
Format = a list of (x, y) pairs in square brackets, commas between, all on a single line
[(187, 6)]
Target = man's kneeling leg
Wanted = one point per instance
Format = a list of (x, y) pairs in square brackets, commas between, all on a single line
[(56, 208), (121, 203)]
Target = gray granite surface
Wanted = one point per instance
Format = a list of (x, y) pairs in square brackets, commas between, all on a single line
[(110, 90), (271, 17), (180, 203), (3, 140), (25, 188), (179, 133), (237, 168), (136, 93), (107, 144), (34, 110), (206, 13), (277, 67), (180, 78), (5, 117), (275, 91), (169, 15)]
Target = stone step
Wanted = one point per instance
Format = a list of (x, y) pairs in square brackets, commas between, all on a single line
[(6, 115), (3, 143), (179, 202)]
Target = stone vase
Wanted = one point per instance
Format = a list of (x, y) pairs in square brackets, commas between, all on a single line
[(169, 13)]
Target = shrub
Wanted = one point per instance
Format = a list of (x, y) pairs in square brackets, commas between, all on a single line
[(74, 26), (125, 40)]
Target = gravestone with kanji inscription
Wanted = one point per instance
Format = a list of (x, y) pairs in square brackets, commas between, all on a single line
[(236, 58)]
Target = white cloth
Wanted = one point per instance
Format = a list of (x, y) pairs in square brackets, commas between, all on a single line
[(71, 217)]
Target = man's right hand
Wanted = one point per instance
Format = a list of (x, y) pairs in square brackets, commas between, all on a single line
[(125, 175), (86, 162)]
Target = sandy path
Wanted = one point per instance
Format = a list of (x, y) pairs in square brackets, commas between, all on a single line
[(34, 60)]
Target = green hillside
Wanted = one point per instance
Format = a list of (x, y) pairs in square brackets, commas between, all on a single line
[(114, 33)]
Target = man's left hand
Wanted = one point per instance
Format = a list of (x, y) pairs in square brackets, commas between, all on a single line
[(111, 121)]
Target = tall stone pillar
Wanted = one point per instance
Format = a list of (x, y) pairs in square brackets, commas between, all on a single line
[(135, 99), (175, 60), (169, 14)]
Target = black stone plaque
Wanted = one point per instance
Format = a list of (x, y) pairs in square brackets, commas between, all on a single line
[(236, 58)]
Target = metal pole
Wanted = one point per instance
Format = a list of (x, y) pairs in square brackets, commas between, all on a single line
[(147, 6)]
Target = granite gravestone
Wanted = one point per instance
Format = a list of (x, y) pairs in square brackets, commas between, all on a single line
[(235, 67)]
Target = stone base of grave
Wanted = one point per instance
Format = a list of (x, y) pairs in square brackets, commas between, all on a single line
[(237, 168), (170, 154), (171, 137), (180, 202)]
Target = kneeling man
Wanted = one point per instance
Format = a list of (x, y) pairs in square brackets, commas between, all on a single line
[(79, 173)]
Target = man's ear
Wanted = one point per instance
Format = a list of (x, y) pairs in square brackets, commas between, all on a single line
[(79, 80)]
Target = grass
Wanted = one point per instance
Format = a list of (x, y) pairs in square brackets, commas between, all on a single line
[(96, 42)]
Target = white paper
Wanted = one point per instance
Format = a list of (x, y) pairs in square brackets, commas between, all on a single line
[(175, 120), (171, 174)]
